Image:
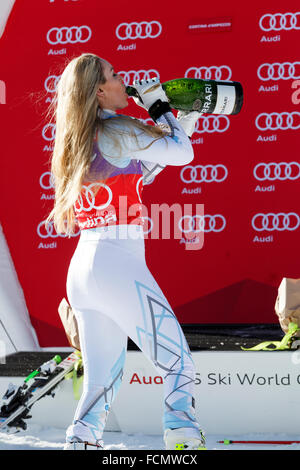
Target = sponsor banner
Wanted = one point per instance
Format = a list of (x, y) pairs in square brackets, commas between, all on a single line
[(222, 379), (245, 172), (270, 380)]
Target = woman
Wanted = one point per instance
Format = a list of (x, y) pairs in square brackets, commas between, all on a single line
[(101, 159)]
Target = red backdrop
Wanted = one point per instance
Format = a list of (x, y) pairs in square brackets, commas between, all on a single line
[(248, 164)]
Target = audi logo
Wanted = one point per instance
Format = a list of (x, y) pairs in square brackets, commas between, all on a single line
[(279, 222), (279, 21), (49, 231), (131, 75), (203, 174), (69, 35), (86, 200), (211, 123), (48, 132), (47, 180), (274, 121), (142, 30), (222, 72), (279, 71), (202, 223), (277, 171), (51, 82)]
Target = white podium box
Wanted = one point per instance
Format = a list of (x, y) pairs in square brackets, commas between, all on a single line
[(236, 392)]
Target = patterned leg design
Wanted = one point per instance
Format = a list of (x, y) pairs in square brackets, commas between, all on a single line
[(91, 415), (161, 338)]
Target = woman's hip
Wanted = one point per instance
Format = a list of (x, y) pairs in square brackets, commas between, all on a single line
[(102, 268)]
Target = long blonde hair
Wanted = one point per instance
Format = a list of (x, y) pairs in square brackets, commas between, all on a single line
[(75, 111)]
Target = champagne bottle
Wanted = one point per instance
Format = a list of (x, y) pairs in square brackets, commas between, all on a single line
[(205, 96)]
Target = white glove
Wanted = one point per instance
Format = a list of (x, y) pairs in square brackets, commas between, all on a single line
[(149, 91), (188, 120)]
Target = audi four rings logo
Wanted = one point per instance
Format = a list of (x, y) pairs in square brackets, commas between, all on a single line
[(279, 71), (212, 123), (87, 203), (49, 231), (202, 223), (277, 171), (51, 82), (222, 72), (48, 132), (280, 221), (131, 75), (275, 121), (280, 21), (203, 174), (142, 30), (69, 35), (46, 180)]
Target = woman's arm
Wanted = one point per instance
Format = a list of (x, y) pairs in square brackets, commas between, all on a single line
[(187, 121), (174, 149)]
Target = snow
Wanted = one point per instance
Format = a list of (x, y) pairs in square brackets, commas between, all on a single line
[(37, 437)]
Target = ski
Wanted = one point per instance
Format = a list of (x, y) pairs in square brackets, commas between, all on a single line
[(228, 441), (18, 400)]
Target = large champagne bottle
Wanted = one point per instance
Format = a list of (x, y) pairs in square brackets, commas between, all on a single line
[(205, 96)]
